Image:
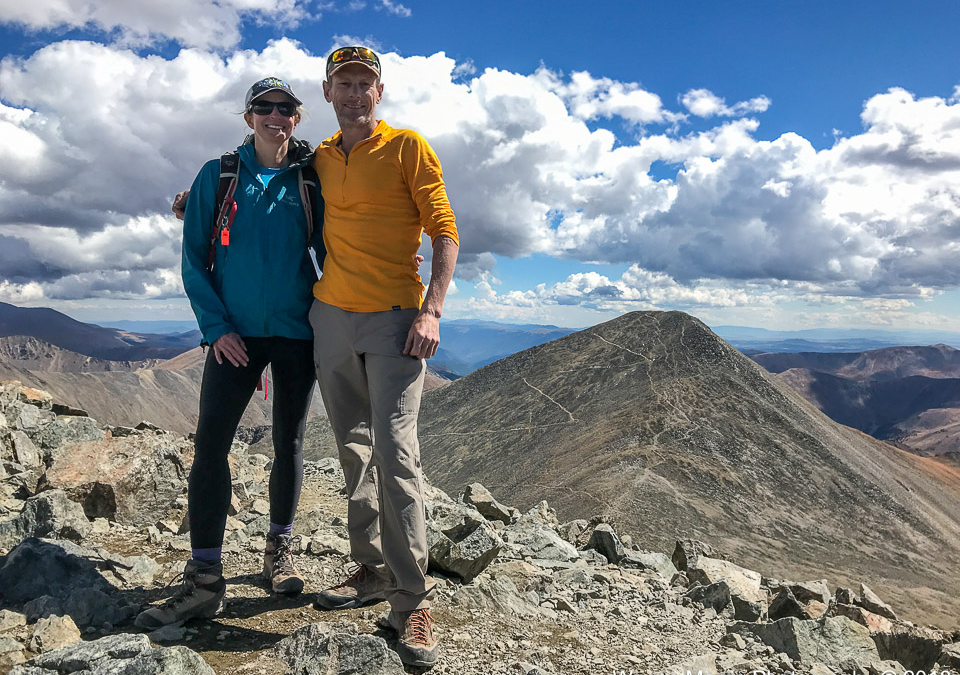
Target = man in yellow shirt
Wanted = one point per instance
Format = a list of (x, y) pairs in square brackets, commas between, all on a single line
[(373, 328)]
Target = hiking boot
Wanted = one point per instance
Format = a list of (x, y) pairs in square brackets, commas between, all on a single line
[(363, 587), (416, 646), (278, 566), (199, 596)]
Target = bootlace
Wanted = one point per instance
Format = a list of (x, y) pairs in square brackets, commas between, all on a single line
[(186, 589), (357, 575), (283, 556), (419, 625)]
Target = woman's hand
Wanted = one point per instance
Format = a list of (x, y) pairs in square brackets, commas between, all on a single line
[(231, 347)]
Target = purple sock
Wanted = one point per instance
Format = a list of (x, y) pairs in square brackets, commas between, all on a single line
[(281, 529), (209, 555)]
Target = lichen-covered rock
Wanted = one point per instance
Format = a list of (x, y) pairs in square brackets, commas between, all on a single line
[(48, 514), (832, 641), (134, 480), (122, 654), (500, 595), (916, 648), (338, 649), (63, 432)]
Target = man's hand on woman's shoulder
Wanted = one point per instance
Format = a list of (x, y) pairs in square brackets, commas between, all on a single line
[(180, 203)]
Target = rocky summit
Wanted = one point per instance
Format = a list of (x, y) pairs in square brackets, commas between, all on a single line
[(658, 425), (93, 527)]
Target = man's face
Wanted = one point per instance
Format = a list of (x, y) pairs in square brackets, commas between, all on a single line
[(354, 90)]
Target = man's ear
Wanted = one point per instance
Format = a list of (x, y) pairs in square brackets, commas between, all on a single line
[(379, 91), (326, 91)]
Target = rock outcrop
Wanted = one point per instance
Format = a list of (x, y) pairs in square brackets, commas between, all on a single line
[(518, 593)]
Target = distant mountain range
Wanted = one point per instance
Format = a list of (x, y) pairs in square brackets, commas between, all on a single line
[(59, 329), (910, 395), (157, 327), (760, 340)]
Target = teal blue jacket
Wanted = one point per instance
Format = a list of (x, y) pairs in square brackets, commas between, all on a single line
[(262, 281)]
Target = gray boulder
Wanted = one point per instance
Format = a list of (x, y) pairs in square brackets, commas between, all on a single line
[(687, 551), (846, 596), (749, 599), (715, 595), (785, 604), (950, 656), (811, 591), (530, 538), (480, 498), (572, 530), (606, 542), (338, 649), (59, 577), (872, 603), (67, 431), (25, 451), (49, 514), (460, 540), (649, 562), (916, 648), (499, 595), (832, 641), (122, 654)]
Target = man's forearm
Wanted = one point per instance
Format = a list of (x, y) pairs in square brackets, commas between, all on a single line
[(445, 251)]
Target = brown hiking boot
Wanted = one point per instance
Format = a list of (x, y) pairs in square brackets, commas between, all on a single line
[(199, 596), (278, 566), (363, 587), (417, 646)]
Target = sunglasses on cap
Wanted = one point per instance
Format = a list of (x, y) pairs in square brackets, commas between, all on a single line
[(285, 108), (348, 54)]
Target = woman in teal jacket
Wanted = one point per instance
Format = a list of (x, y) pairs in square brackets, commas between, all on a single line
[(252, 309)]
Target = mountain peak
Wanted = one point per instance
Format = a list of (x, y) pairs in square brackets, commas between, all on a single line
[(655, 422)]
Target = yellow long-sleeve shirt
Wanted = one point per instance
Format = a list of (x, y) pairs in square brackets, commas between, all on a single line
[(377, 204)]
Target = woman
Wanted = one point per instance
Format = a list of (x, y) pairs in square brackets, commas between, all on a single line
[(251, 305)]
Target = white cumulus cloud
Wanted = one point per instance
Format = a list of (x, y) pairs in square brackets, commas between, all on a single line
[(96, 139), (704, 103)]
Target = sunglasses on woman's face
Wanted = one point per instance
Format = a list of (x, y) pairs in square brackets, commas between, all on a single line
[(285, 108)]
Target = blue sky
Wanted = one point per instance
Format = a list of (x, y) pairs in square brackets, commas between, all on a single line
[(778, 164)]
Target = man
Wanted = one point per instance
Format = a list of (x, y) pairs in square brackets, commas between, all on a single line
[(373, 328)]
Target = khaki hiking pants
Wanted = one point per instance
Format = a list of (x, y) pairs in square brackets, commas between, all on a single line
[(371, 391)]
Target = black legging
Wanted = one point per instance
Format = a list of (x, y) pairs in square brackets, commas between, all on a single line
[(224, 394)]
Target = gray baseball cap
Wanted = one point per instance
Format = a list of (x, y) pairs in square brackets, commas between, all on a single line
[(261, 87)]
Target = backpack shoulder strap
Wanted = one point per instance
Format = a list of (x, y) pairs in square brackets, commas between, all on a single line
[(308, 182), (229, 172)]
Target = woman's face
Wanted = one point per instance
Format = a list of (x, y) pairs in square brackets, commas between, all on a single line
[(272, 127)]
